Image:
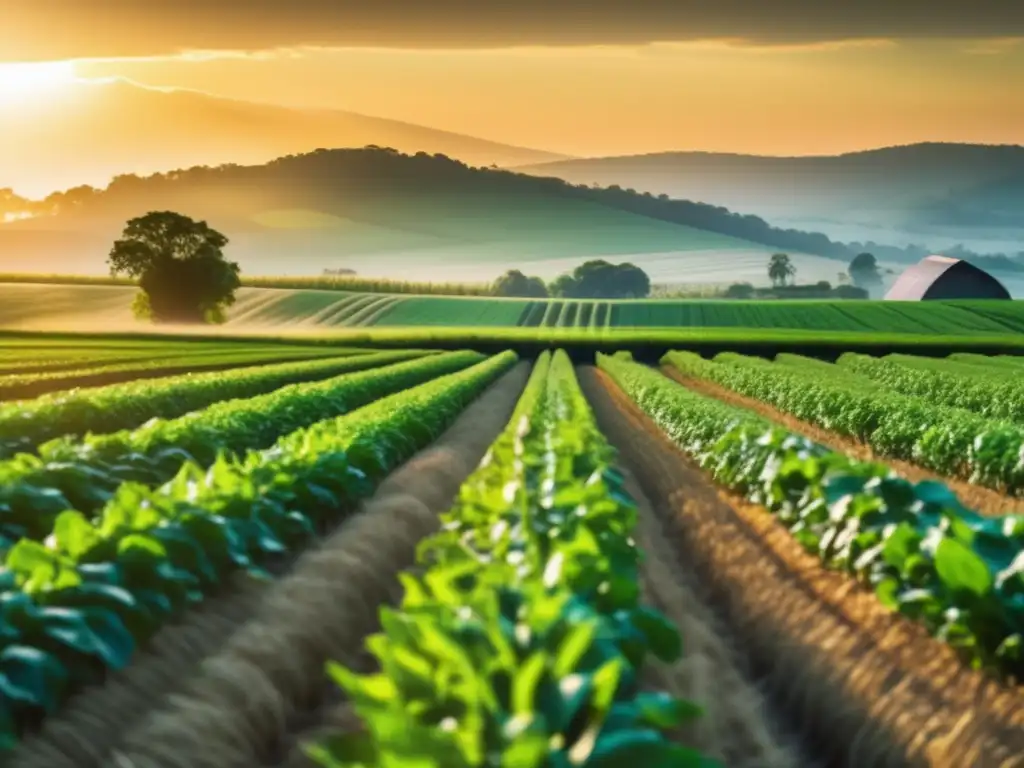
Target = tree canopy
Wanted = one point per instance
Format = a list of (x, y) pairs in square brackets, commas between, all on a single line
[(863, 270), (180, 266), (515, 283), (780, 269), (599, 279)]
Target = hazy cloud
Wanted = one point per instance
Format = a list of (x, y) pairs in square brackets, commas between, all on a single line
[(52, 29)]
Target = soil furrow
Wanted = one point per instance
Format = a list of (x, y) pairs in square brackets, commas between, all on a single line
[(251, 702), (985, 501), (737, 727), (866, 687), (83, 732)]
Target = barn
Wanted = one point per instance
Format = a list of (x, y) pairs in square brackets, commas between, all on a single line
[(940, 277)]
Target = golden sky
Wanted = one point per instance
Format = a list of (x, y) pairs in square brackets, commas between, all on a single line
[(620, 77), (631, 99)]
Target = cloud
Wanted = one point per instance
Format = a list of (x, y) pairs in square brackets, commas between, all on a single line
[(995, 46), (57, 29)]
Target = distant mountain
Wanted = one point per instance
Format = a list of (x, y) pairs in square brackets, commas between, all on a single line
[(99, 130), (914, 185)]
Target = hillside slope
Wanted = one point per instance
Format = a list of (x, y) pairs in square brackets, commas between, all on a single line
[(382, 213), (942, 192)]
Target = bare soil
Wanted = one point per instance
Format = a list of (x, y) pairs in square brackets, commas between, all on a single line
[(82, 734), (859, 685), (738, 726), (255, 700), (983, 500)]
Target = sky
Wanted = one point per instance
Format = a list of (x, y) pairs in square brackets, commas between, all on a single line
[(599, 78)]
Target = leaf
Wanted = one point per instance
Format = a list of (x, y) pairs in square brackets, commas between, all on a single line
[(573, 647), (74, 534), (639, 747), (960, 569), (662, 710), (32, 677), (526, 682), (663, 636), (94, 632)]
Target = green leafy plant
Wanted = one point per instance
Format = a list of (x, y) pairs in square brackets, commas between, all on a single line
[(85, 475), (952, 441), (523, 642), (923, 553), (76, 606), (26, 424), (993, 396)]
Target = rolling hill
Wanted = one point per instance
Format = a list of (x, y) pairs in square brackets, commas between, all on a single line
[(426, 217), (102, 129), (942, 192)]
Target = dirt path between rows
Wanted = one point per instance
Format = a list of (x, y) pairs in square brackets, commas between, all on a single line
[(265, 691), (985, 501), (84, 731), (861, 686), (738, 726)]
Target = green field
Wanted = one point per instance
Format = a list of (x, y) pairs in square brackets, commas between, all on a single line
[(85, 307), (192, 531)]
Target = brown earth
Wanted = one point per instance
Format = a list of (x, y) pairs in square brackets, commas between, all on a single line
[(985, 501), (862, 686), (82, 734), (738, 726), (255, 700)]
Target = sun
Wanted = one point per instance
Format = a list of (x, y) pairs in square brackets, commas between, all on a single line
[(24, 83)]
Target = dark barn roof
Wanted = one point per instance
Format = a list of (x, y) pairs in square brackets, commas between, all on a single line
[(940, 277)]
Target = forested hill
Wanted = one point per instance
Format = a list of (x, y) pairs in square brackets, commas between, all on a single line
[(421, 195)]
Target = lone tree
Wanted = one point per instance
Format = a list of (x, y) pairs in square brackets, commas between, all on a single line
[(180, 266), (515, 283), (863, 270), (780, 269)]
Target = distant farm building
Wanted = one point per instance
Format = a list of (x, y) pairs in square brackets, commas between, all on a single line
[(940, 277)]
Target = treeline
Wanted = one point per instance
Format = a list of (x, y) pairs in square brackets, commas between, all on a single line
[(596, 279), (715, 218), (371, 285)]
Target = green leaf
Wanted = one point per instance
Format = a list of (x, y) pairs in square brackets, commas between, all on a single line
[(961, 569), (526, 682), (74, 534), (663, 636), (573, 647), (32, 677), (664, 711), (639, 747)]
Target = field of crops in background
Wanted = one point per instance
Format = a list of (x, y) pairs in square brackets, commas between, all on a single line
[(104, 308), (197, 538)]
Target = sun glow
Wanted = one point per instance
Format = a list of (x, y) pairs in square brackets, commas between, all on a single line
[(24, 83)]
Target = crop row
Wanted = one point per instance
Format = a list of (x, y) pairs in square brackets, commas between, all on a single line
[(29, 385), (84, 475), (922, 552), (523, 642), (975, 366), (26, 424), (994, 396), (953, 442), (81, 604)]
